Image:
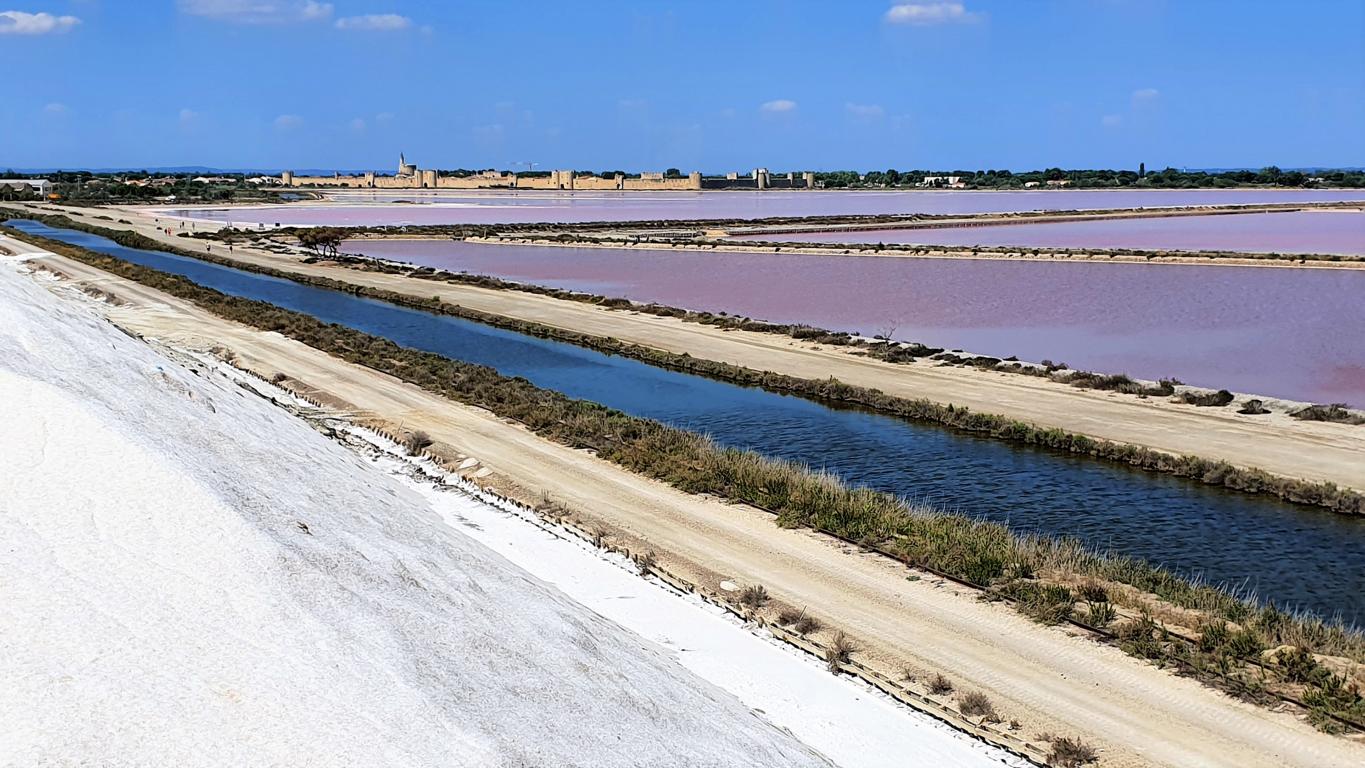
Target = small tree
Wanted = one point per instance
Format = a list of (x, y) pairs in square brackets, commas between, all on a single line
[(322, 240)]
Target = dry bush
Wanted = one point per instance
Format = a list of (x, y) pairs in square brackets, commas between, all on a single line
[(645, 562), (838, 650), (977, 704), (1336, 412), (753, 596), (799, 621), (599, 537), (1206, 399), (416, 442), (940, 685), (1071, 753)]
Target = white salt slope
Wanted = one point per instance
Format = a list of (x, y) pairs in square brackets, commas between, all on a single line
[(192, 577)]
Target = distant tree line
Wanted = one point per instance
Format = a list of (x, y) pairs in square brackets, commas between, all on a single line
[(1169, 178), (92, 187)]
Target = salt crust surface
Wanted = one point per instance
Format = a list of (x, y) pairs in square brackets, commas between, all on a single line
[(190, 576)]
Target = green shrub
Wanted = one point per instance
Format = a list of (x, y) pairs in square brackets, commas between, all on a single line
[(1100, 613)]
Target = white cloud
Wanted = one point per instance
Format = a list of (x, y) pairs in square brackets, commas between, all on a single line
[(864, 111), (20, 23), (383, 117), (489, 136), (374, 22), (1142, 95), (55, 108), (358, 125), (188, 116), (777, 106), (286, 122), (925, 14), (257, 11), (1111, 121)]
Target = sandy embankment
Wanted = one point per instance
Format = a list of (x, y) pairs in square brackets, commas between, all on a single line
[(1275, 443), (1046, 678), (934, 252)]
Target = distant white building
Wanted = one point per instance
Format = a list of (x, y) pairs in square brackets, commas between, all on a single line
[(952, 182), (41, 186)]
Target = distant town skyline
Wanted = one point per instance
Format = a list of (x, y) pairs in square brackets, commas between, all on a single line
[(712, 86)]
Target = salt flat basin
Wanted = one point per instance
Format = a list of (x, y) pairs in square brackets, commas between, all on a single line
[(1285, 332), (1296, 556), (1328, 231), (360, 208)]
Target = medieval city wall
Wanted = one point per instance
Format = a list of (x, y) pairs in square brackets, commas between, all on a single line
[(555, 180), (480, 181)]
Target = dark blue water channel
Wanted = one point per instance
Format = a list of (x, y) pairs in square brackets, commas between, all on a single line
[(1296, 556)]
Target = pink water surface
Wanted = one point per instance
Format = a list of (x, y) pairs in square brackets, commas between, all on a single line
[(436, 207), (1287, 332), (1339, 232)]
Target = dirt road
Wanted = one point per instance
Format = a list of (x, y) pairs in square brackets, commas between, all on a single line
[(1274, 442), (1047, 679)]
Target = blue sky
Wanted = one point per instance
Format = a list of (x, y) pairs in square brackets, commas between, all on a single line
[(713, 85)]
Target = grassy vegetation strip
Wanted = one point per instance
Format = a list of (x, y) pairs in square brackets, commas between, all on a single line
[(829, 391), (978, 551)]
